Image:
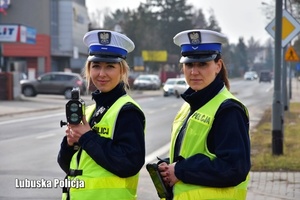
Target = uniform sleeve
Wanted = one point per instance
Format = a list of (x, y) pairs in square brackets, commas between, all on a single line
[(229, 141), (65, 155), (125, 154)]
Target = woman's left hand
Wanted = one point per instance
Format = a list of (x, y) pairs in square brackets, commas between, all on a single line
[(168, 173)]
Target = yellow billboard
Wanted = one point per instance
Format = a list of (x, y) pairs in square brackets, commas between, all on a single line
[(155, 56)]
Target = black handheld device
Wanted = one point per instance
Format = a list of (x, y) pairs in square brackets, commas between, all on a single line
[(163, 190), (75, 108)]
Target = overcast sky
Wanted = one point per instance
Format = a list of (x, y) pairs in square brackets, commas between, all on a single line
[(235, 17)]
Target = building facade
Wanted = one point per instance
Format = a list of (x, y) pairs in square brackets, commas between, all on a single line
[(60, 26)]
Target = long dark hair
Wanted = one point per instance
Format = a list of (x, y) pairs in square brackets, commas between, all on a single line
[(223, 73)]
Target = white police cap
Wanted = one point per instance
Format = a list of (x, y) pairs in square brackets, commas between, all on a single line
[(199, 45), (107, 46)]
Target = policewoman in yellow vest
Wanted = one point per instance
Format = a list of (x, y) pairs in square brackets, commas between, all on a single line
[(210, 146), (111, 136)]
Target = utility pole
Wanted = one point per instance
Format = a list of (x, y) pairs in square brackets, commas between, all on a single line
[(277, 116), (284, 75), (284, 82)]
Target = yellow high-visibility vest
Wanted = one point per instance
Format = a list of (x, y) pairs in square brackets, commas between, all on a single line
[(98, 182), (194, 142)]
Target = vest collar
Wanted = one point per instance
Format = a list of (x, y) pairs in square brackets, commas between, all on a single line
[(108, 98), (201, 97)]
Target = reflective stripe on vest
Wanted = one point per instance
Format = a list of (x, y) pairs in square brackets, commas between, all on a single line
[(98, 182), (200, 122)]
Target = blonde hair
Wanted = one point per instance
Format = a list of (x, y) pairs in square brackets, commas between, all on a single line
[(124, 71)]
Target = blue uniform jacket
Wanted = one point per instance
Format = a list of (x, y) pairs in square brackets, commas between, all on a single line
[(125, 154), (228, 139)]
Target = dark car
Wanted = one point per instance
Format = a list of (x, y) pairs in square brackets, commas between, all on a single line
[(53, 83), (131, 78), (265, 76)]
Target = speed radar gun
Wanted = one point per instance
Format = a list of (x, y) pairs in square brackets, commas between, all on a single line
[(75, 108)]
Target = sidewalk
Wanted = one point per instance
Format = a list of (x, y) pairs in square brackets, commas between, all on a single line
[(276, 185), (263, 185)]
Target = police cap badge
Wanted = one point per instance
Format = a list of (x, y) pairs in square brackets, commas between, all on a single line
[(199, 45), (107, 46)]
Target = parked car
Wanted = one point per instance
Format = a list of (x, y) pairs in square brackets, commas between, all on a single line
[(147, 81), (131, 78), (53, 83), (265, 76), (250, 75), (168, 88), (180, 87)]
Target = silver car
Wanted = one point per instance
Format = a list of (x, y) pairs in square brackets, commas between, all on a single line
[(180, 87), (251, 75), (168, 88), (147, 81)]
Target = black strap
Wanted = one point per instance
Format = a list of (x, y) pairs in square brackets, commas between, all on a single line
[(72, 172), (97, 116), (180, 137), (75, 172), (78, 155), (66, 190)]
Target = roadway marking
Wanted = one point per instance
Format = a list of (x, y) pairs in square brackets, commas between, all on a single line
[(176, 105), (45, 136), (157, 110), (159, 152), (152, 111), (29, 118), (269, 89)]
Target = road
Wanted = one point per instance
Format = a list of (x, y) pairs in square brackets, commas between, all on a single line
[(29, 143)]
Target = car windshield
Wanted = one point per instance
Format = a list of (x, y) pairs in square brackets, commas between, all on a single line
[(145, 78), (171, 82), (265, 73), (181, 82)]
